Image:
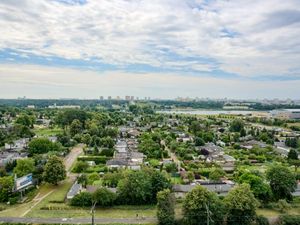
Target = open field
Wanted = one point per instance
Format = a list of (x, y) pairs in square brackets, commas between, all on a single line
[(47, 131)]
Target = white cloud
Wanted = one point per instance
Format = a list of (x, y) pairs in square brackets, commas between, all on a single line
[(26, 80), (137, 31)]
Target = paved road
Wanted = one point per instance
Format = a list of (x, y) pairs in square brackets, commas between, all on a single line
[(78, 220), (72, 156)]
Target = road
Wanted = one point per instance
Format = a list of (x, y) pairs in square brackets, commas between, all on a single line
[(72, 156), (78, 220)]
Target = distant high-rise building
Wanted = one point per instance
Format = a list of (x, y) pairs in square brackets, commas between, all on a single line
[(109, 98), (127, 98), (101, 98), (132, 98)]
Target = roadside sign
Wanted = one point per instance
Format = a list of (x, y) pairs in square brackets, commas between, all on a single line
[(23, 182)]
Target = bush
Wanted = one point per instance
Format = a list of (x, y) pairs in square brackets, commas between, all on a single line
[(283, 206), (93, 177), (289, 220), (261, 220), (107, 152), (80, 167), (82, 199), (104, 197), (96, 159), (13, 200)]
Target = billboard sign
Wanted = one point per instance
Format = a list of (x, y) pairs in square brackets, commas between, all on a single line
[(23, 182)]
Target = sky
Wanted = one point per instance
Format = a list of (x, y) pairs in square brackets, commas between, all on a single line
[(157, 48)]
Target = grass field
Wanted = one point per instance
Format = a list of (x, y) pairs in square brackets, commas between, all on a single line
[(45, 132)]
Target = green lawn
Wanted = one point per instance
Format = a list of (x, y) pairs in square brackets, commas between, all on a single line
[(65, 211), (47, 131)]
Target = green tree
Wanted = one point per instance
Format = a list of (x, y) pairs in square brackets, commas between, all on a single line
[(83, 179), (241, 205), (25, 120), (54, 170), (66, 117), (171, 167), (135, 188), (6, 186), (216, 174), (199, 141), (75, 127), (112, 179), (82, 199), (236, 125), (104, 197), (24, 167), (282, 181), (80, 166), (141, 187), (93, 177), (190, 176), (42, 145), (201, 205), (86, 139), (260, 189), (293, 154), (166, 207)]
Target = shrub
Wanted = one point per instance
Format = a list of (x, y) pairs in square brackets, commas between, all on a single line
[(93, 177), (80, 167), (261, 220), (104, 197), (283, 206), (96, 159), (82, 199), (290, 220)]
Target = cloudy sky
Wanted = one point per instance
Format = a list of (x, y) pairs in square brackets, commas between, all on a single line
[(157, 48)]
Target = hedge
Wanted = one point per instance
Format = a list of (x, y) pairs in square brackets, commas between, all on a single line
[(96, 159)]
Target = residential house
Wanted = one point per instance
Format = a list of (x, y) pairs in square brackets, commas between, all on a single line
[(17, 145)]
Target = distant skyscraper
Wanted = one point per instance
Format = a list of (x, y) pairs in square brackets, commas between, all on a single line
[(127, 98), (101, 98), (132, 98), (109, 98)]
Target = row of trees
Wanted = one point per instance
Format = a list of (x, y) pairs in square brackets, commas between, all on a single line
[(133, 187), (202, 207)]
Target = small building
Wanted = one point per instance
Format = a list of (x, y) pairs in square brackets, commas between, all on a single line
[(75, 189), (10, 156), (17, 145), (121, 146), (281, 149), (220, 188)]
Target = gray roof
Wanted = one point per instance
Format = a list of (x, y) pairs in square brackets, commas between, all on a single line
[(75, 189), (218, 188), (117, 162)]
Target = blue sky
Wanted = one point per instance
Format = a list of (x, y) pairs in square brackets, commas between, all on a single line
[(158, 48)]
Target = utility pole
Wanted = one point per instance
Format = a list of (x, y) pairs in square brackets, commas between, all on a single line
[(93, 213)]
